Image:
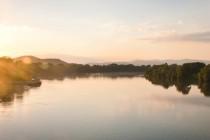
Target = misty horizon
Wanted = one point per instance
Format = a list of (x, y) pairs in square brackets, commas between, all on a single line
[(85, 60)]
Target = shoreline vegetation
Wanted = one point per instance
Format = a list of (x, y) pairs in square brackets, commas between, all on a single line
[(19, 75), (16, 75), (181, 76)]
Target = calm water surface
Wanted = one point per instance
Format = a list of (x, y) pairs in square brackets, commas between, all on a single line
[(105, 109)]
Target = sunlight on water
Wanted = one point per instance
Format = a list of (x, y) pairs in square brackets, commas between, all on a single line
[(105, 109)]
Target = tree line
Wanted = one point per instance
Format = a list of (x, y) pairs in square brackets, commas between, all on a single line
[(50, 71), (11, 71), (182, 76)]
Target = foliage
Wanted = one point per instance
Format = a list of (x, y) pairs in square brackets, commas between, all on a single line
[(204, 80), (182, 76)]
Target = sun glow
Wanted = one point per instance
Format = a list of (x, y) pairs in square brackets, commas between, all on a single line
[(6, 35)]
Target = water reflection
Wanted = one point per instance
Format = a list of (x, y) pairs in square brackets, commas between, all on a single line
[(10, 92), (183, 86), (102, 108), (117, 75)]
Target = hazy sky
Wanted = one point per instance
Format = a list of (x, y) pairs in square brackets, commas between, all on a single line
[(106, 29)]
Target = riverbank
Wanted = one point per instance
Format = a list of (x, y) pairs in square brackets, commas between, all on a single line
[(32, 83)]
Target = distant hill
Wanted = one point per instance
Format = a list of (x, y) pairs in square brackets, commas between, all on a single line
[(168, 61), (97, 61), (73, 59), (33, 59), (55, 61), (155, 62)]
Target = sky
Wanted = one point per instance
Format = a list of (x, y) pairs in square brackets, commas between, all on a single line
[(106, 29)]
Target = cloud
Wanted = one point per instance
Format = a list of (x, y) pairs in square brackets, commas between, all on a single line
[(194, 37), (203, 37)]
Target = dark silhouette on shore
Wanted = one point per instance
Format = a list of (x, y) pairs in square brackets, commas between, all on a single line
[(19, 76), (182, 76)]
